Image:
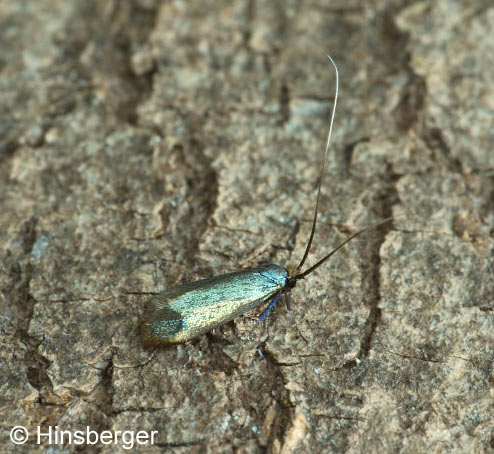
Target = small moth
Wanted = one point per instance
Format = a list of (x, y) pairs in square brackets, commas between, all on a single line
[(186, 311)]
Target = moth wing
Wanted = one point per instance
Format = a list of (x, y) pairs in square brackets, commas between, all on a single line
[(160, 316)]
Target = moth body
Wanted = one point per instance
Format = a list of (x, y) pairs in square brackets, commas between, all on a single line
[(185, 311)]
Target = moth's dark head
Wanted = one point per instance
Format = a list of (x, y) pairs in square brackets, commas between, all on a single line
[(291, 282)]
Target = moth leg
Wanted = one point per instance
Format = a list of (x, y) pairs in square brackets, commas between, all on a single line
[(271, 305), (288, 301)]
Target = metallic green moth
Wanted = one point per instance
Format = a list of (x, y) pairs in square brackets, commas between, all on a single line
[(186, 311)]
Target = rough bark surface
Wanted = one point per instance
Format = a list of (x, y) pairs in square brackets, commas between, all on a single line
[(147, 143)]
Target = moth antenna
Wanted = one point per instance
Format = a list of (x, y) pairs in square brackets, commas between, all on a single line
[(351, 237), (314, 222)]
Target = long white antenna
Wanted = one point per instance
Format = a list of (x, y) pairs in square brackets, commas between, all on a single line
[(309, 244)]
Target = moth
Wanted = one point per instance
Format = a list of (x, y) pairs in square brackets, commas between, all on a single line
[(186, 311)]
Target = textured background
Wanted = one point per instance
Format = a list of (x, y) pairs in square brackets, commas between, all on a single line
[(146, 143)]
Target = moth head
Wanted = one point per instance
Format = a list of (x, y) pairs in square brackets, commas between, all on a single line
[(291, 279)]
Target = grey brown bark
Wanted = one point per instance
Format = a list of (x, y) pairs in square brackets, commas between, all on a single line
[(147, 143)]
